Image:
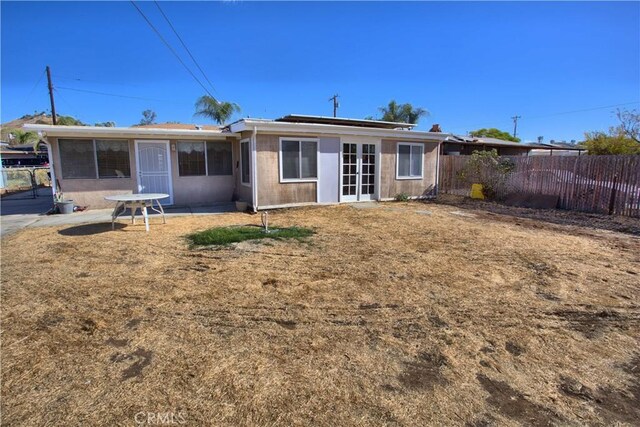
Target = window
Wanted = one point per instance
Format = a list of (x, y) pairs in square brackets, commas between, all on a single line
[(298, 159), (113, 159), (77, 158), (191, 158), (409, 161), (219, 158), (245, 172), (197, 158), (91, 159)]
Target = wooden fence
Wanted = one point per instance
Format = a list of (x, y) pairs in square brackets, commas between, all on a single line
[(600, 184)]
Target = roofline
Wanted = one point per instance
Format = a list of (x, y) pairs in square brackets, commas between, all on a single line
[(307, 116), (314, 128), (130, 132)]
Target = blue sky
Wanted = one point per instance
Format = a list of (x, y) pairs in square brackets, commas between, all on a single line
[(471, 65)]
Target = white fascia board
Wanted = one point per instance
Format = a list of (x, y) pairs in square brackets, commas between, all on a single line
[(97, 131), (315, 129)]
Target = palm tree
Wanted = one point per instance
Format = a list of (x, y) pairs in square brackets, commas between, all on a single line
[(402, 113), (220, 111), (392, 112)]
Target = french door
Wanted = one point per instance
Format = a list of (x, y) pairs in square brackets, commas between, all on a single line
[(154, 168), (358, 175)]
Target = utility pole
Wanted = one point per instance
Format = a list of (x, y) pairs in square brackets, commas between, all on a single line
[(515, 124), (53, 105), (334, 98)]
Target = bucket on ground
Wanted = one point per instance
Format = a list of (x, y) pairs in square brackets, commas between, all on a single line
[(65, 206)]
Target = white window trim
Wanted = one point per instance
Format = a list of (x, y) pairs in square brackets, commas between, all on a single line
[(95, 156), (245, 141), (410, 177), (286, 180)]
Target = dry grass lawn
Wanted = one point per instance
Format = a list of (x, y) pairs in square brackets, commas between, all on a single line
[(386, 316)]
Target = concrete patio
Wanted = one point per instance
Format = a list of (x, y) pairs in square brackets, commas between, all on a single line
[(18, 211)]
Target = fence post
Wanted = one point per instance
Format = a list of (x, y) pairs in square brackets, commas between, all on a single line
[(612, 199)]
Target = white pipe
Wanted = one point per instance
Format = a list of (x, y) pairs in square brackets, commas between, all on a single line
[(254, 169), (52, 172)]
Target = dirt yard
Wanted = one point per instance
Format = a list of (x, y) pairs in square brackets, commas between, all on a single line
[(402, 314)]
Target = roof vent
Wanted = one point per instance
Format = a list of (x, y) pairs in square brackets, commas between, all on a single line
[(435, 128)]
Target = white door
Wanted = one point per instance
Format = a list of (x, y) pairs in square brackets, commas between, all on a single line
[(154, 168), (358, 175)]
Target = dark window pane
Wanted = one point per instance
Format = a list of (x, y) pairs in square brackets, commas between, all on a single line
[(404, 160), (244, 160), (77, 158), (219, 158), (113, 159), (290, 159), (191, 158), (309, 158)]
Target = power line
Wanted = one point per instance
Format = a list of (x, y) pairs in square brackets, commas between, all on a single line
[(33, 88), (170, 48), (583, 110), (184, 45), (112, 94)]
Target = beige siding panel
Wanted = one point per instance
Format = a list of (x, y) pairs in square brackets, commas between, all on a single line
[(390, 186), (91, 192), (199, 190), (270, 191)]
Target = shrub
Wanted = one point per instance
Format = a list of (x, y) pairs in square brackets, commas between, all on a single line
[(488, 169), (402, 197)]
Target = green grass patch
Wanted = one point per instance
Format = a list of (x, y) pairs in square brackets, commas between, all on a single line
[(228, 235)]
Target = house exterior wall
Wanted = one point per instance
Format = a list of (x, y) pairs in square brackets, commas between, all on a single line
[(91, 192), (201, 189), (271, 192), (187, 190), (390, 186)]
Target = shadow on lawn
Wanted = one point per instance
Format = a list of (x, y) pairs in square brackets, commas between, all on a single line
[(616, 223), (90, 229)]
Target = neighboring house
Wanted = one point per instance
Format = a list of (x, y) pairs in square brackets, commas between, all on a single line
[(294, 160), (465, 145), (23, 155)]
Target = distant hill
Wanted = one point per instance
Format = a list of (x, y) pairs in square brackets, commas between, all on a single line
[(40, 119)]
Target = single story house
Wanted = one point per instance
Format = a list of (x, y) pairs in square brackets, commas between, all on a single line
[(457, 145), (291, 161)]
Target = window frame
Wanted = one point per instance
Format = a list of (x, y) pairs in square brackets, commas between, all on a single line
[(95, 157), (206, 156), (241, 163), (204, 143), (410, 177), (280, 164)]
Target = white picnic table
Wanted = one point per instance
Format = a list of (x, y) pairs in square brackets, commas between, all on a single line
[(135, 201)]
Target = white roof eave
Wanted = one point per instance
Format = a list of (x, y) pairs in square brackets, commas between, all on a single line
[(125, 132), (314, 128)]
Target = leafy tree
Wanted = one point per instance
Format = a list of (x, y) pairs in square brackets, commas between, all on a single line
[(621, 139), (614, 142), (21, 137), (69, 121), (629, 124), (106, 124), (493, 133), (402, 113), (148, 117), (219, 111)]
